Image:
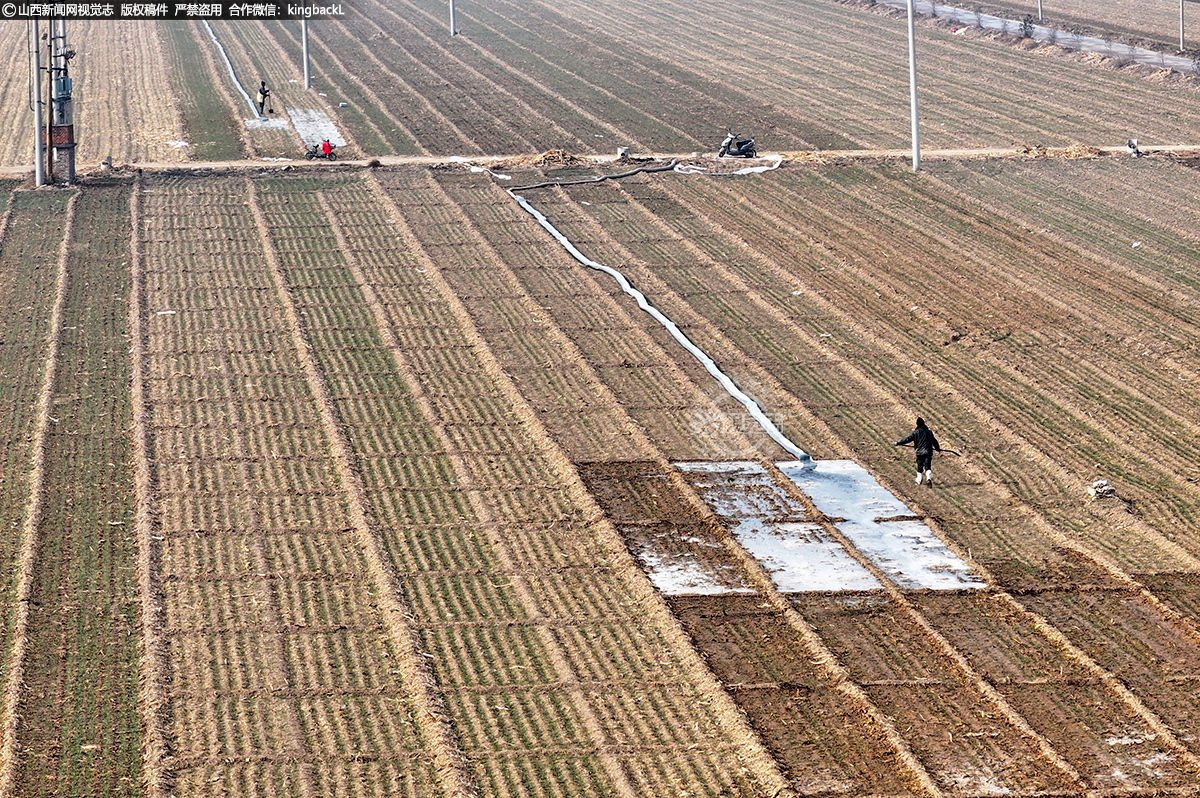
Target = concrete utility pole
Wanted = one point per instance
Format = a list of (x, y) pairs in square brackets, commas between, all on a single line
[(453, 22), (35, 103), (304, 47), (912, 88), (62, 115)]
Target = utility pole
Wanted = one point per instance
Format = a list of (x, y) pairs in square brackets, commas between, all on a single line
[(453, 22), (912, 88), (35, 103), (304, 47), (62, 116)]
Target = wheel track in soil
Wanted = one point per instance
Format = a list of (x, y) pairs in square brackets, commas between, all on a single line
[(1110, 680), (1050, 294), (27, 557), (986, 691), (835, 674), (452, 769), (727, 713)]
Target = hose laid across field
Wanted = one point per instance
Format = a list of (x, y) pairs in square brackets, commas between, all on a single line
[(709, 364)]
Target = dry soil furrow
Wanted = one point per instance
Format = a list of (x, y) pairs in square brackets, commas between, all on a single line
[(489, 103), (730, 719), (816, 649), (26, 560), (450, 764), (619, 77), (464, 475), (987, 419), (122, 110), (218, 77), (984, 690)]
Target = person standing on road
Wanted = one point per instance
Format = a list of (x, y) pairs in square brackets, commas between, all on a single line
[(263, 94), (924, 442)]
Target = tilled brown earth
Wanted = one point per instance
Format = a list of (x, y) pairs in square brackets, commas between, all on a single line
[(408, 483)]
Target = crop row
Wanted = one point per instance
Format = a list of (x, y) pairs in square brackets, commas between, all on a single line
[(827, 58), (830, 277), (628, 362), (246, 534), (741, 307), (530, 519)]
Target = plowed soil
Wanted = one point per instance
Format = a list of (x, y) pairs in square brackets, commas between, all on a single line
[(353, 482)]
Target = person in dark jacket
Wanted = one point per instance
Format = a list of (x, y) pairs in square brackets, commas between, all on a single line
[(925, 442), (263, 94)]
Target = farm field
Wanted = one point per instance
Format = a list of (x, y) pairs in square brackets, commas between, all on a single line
[(585, 78), (375, 516), (353, 481)]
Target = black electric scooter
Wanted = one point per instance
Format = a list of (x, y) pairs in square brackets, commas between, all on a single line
[(732, 146), (314, 151)]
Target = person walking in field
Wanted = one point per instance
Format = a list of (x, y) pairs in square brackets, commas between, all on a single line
[(924, 442), (263, 94)]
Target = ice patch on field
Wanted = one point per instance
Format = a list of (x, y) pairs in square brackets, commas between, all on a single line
[(770, 524), (265, 123), (801, 558), (688, 566), (904, 549), (314, 126), (681, 575)]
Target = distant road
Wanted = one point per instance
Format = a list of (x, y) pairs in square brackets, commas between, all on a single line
[(1076, 151)]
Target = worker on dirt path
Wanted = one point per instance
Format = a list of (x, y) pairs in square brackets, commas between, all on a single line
[(263, 94), (924, 442)]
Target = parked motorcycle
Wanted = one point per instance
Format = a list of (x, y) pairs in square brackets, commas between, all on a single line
[(732, 146), (318, 151)]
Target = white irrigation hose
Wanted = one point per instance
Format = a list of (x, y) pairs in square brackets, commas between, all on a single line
[(728, 384), (697, 169), (225, 57)]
